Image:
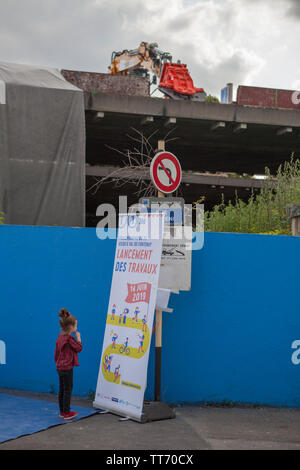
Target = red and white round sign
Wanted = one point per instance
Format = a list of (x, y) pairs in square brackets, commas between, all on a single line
[(165, 171)]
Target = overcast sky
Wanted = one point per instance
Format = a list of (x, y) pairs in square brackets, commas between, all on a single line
[(251, 42)]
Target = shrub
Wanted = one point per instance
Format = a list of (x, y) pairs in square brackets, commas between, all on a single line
[(265, 212)]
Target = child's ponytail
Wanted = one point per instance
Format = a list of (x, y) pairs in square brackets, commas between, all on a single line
[(66, 320)]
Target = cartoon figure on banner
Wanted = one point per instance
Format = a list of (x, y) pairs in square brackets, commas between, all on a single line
[(113, 312), (125, 313), (109, 363), (117, 373), (136, 312), (125, 348), (120, 317), (144, 320), (114, 338), (105, 362), (142, 337)]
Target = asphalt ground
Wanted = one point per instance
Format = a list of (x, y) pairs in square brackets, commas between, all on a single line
[(194, 428)]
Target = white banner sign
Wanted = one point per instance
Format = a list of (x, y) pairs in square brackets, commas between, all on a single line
[(124, 360)]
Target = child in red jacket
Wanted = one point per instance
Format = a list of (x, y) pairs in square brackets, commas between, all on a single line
[(66, 358)]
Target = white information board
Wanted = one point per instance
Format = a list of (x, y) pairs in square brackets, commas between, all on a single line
[(176, 260)]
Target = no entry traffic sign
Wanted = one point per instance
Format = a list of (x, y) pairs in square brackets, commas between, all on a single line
[(165, 171)]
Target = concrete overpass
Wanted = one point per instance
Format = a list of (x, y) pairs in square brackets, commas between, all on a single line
[(210, 137)]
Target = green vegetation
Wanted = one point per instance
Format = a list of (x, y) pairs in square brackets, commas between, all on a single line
[(231, 404), (211, 99), (266, 211)]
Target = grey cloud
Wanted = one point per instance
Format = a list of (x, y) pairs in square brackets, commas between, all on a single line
[(208, 75), (294, 9), (213, 78), (67, 33), (81, 35), (223, 22), (191, 15), (180, 23)]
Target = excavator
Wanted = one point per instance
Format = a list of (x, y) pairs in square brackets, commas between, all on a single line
[(147, 60)]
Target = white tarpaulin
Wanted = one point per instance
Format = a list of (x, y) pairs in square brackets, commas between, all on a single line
[(124, 360)]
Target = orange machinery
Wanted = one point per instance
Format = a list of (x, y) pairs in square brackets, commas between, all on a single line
[(174, 78)]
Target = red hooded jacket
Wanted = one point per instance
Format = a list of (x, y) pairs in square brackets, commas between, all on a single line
[(66, 351)]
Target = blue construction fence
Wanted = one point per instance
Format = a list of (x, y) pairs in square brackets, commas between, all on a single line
[(235, 337)]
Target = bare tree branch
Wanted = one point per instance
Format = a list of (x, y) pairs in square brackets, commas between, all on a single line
[(136, 159)]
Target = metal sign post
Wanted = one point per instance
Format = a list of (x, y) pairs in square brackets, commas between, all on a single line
[(158, 323), (165, 172)]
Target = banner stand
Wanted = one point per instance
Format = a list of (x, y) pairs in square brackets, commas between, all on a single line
[(123, 366), (152, 411), (156, 411)]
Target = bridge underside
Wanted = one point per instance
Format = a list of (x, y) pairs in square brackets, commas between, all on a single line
[(206, 137)]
